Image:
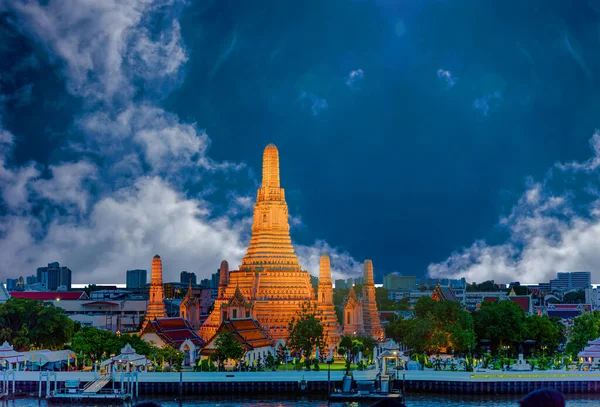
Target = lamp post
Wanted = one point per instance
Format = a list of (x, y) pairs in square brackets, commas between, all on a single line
[(329, 362)]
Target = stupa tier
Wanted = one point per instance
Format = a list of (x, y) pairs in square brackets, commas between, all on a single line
[(270, 246)]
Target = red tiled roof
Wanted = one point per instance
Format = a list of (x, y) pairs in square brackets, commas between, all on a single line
[(175, 331), (523, 301), (50, 295), (490, 299)]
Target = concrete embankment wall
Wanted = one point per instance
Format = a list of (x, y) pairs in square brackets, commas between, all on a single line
[(288, 382)]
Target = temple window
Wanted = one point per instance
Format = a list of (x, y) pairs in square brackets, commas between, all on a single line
[(247, 314), (348, 318), (234, 314)]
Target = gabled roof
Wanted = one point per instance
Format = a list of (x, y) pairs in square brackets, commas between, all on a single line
[(50, 295), (248, 332), (352, 298), (444, 293), (567, 311), (524, 301), (238, 299), (173, 331)]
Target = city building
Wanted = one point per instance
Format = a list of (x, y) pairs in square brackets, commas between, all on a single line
[(397, 282), (270, 278), (136, 278), (11, 284), (185, 277), (341, 284), (54, 277), (31, 280), (571, 280)]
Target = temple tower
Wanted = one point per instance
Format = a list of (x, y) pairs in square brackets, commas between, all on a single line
[(353, 315), (270, 278), (325, 303), (156, 304), (223, 277), (372, 323)]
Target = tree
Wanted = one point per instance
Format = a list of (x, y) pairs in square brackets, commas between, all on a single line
[(586, 327), (501, 322), (227, 347), (544, 331), (437, 325), (170, 355), (92, 342), (28, 323), (306, 331), (574, 297)]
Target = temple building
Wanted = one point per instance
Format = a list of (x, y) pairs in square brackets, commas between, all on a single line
[(325, 303), (361, 316), (353, 315), (156, 304), (444, 293), (270, 279), (190, 308)]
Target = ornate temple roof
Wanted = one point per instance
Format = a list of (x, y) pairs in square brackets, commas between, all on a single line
[(247, 331), (238, 299), (173, 331), (444, 293)]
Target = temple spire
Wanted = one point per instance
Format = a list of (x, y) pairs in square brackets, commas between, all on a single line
[(156, 305), (368, 277), (270, 167), (324, 268)]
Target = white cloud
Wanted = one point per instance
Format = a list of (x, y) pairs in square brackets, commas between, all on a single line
[(318, 104), (547, 235), (446, 77), (487, 102), (354, 77), (590, 165), (94, 37), (343, 265), (68, 185)]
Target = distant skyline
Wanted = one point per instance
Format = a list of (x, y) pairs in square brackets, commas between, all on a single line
[(431, 136)]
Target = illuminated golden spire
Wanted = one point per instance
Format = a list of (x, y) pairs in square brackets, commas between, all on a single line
[(270, 167), (156, 304), (368, 277), (270, 246)]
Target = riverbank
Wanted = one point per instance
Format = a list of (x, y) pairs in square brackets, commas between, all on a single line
[(493, 382)]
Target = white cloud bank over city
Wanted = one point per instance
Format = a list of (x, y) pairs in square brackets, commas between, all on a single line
[(122, 202), (549, 232)]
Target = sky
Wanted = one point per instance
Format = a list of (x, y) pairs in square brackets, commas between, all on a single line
[(443, 138)]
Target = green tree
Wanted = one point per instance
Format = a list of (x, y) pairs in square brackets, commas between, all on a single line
[(485, 286), (170, 355), (501, 323), (227, 347), (586, 327), (92, 342), (306, 332), (424, 306), (574, 297), (28, 323), (544, 331)]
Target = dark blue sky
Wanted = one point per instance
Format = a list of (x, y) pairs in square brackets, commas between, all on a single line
[(406, 130)]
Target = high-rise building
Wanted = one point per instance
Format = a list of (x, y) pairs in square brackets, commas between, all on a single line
[(30, 280), (341, 284), (54, 276), (215, 277), (185, 277), (136, 278), (396, 282), (571, 281), (11, 284)]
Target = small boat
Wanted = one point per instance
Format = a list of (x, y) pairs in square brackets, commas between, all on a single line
[(365, 390)]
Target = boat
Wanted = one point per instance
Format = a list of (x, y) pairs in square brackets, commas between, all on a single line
[(365, 390)]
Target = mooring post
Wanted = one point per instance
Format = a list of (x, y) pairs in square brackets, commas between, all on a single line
[(180, 383)]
